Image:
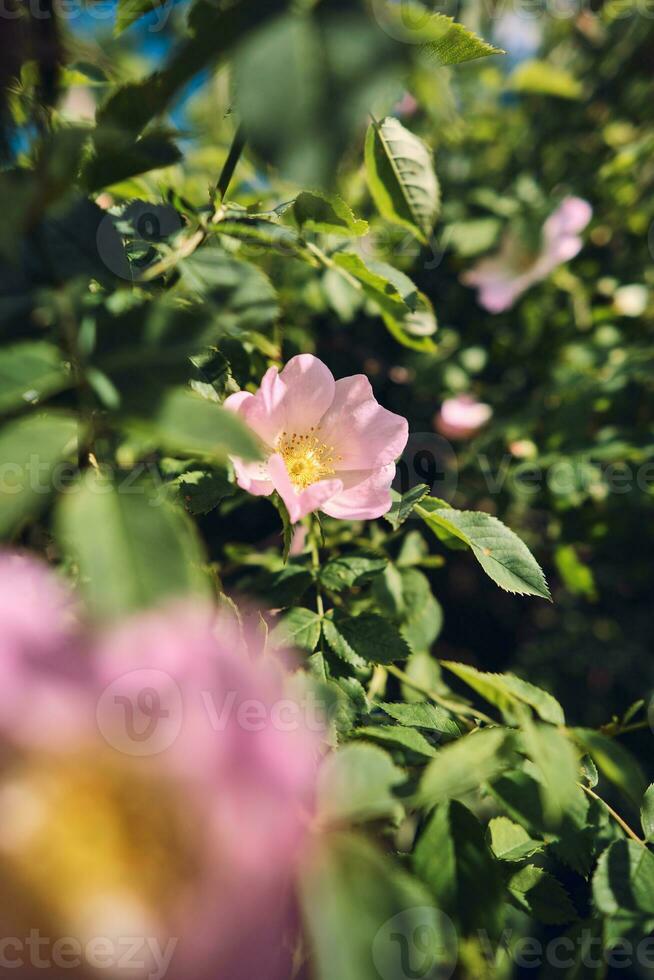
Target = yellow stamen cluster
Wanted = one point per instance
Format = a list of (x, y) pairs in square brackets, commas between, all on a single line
[(307, 459)]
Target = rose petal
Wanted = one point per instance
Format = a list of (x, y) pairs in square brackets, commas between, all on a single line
[(253, 477), (570, 218), (310, 389), (366, 496), (364, 435)]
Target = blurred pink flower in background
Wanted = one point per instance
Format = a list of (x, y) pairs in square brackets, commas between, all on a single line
[(502, 278), (329, 445), (176, 810), (41, 672), (406, 107), (461, 417)]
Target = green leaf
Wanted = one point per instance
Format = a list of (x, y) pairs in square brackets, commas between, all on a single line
[(448, 42), (355, 784), (30, 450), (401, 177), (130, 11), (393, 294), (577, 577), (558, 765), (500, 552), (299, 628), (187, 424), (29, 372), (117, 156), (451, 43), (520, 794), (453, 859), (543, 78), (75, 239), (398, 736), (355, 902), (614, 761), (284, 586), (328, 214), (647, 813), (464, 765), (577, 848), (242, 294), (504, 690), (624, 879), (403, 504), (349, 570), (258, 232), (202, 490), (510, 841), (538, 893), (132, 545), (365, 639), (422, 615), (422, 714), (214, 29)]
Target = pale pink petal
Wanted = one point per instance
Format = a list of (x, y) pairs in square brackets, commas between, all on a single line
[(293, 401), (462, 417), (306, 501), (557, 251), (498, 282), (366, 496), (570, 218), (264, 412), (299, 540), (310, 388), (364, 435), (234, 403), (502, 278), (253, 477)]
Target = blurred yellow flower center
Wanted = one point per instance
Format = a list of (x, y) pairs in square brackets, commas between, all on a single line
[(307, 459), (87, 847)]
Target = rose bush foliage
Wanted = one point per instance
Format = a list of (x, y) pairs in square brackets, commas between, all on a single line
[(171, 270)]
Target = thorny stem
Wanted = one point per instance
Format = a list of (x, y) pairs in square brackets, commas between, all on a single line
[(616, 816)]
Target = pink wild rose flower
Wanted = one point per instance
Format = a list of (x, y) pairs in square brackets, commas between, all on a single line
[(462, 417), (328, 444), (502, 278), (175, 807)]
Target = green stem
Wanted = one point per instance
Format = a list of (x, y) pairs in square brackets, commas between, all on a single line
[(315, 564), (616, 816), (233, 157), (635, 726), (198, 236)]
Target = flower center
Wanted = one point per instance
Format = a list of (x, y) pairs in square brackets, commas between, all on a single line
[(306, 458)]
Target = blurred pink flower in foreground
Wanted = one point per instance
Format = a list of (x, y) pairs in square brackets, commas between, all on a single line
[(329, 445), (502, 278), (461, 417), (175, 810)]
